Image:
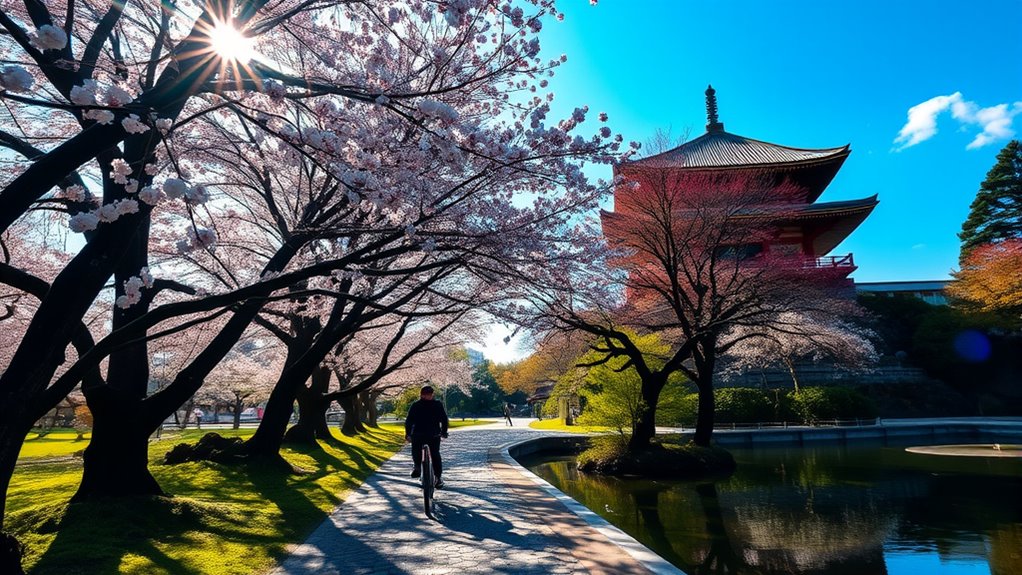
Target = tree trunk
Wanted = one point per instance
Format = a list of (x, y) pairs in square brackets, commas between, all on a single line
[(312, 408), (705, 363), (644, 428), (238, 403), (279, 408), (791, 370), (352, 424), (116, 462), (371, 413)]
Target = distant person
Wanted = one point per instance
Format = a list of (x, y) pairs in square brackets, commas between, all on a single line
[(507, 414), (426, 423), (198, 417)]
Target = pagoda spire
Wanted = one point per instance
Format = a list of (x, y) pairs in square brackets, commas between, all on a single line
[(712, 125)]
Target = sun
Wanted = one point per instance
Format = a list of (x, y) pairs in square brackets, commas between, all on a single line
[(230, 44)]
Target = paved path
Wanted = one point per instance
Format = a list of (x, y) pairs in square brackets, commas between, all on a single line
[(491, 520)]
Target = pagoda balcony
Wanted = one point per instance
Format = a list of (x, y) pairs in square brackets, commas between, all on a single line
[(844, 262)]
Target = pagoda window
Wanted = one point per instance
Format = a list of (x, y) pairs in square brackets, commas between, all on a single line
[(739, 252)]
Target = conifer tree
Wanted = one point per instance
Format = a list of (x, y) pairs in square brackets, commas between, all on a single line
[(996, 213)]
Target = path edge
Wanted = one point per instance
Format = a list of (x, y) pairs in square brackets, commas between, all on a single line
[(644, 555)]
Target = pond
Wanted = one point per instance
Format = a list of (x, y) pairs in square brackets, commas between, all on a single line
[(836, 510)]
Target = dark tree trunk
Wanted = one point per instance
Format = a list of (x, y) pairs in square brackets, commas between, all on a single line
[(705, 363), (371, 413), (645, 424), (269, 435), (238, 403), (312, 408), (352, 424), (116, 462)]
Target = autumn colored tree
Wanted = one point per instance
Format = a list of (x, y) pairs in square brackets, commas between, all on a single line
[(996, 213), (554, 354), (991, 278)]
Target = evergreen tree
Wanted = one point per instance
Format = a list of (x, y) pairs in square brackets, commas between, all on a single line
[(996, 213)]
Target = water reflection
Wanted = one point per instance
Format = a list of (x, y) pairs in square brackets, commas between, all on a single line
[(833, 510)]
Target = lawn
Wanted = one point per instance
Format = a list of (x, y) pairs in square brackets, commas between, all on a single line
[(52, 444), (454, 423), (556, 425), (221, 519)]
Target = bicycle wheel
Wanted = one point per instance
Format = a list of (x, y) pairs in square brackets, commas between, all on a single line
[(427, 482)]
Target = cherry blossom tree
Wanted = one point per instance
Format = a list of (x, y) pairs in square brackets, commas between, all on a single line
[(243, 379), (675, 266), (794, 336), (403, 109)]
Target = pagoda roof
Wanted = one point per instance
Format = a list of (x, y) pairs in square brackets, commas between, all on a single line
[(833, 221), (719, 149)]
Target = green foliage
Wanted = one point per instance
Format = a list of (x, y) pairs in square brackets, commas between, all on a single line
[(814, 404), (996, 212), (222, 520), (405, 401), (612, 392), (743, 405), (609, 455), (484, 398), (896, 320)]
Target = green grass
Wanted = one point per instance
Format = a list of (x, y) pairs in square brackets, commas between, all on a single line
[(222, 520), (556, 425), (52, 444), (455, 423)]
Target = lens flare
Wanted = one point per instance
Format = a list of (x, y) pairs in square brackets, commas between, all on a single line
[(230, 44)]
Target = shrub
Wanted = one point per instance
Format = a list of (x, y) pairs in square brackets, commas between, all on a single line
[(743, 405), (812, 404), (609, 455)]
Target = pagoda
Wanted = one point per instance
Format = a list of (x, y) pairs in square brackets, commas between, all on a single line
[(803, 226)]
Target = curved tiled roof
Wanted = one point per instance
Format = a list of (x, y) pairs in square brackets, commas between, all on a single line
[(720, 149)]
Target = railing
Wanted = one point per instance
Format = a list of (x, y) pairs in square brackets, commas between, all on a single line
[(827, 262), (873, 421)]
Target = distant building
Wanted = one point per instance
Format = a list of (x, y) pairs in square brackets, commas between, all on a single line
[(931, 292), (804, 227)]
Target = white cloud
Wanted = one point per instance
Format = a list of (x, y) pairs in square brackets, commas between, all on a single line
[(995, 121)]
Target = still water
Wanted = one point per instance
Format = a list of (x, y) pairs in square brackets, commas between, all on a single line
[(835, 510)]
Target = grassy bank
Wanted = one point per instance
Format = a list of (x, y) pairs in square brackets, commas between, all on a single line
[(221, 520), (556, 425)]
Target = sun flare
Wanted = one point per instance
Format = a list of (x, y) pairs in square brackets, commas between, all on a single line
[(230, 44)]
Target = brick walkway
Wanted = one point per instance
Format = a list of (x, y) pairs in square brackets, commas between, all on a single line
[(491, 520)]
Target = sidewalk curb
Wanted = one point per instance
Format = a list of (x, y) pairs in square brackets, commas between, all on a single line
[(644, 555)]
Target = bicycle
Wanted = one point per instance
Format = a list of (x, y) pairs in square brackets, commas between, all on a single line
[(428, 482)]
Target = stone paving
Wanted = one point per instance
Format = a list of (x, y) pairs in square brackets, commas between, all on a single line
[(484, 524)]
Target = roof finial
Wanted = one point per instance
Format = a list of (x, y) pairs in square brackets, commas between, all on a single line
[(712, 125)]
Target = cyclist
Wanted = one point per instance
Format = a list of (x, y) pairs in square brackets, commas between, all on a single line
[(425, 425)]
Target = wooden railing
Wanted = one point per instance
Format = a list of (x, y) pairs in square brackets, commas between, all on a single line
[(828, 262)]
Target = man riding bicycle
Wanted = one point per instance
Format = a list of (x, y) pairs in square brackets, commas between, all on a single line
[(425, 425)]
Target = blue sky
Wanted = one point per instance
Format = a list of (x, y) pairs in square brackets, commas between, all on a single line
[(814, 74)]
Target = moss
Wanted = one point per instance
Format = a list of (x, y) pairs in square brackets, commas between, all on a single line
[(610, 455), (222, 520)]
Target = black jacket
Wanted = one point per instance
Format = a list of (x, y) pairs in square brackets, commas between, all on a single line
[(426, 419)]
